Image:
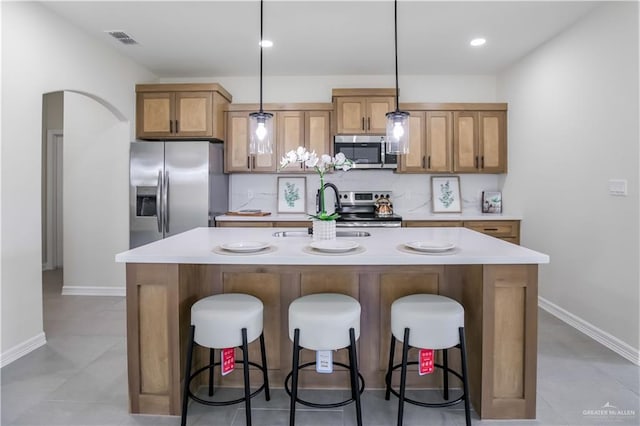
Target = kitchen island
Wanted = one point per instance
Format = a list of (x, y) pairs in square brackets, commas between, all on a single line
[(495, 281)]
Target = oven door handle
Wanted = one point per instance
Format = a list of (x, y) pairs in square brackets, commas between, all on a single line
[(369, 224)]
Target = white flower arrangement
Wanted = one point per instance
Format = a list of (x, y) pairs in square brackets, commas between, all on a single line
[(320, 164)]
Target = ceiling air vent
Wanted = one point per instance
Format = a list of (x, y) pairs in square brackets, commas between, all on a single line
[(122, 37)]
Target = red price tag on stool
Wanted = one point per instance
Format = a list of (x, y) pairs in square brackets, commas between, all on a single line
[(228, 357), (426, 361)]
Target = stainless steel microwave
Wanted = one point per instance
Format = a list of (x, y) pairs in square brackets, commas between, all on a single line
[(366, 151)]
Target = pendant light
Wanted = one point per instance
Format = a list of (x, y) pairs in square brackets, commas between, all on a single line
[(260, 123), (397, 139)]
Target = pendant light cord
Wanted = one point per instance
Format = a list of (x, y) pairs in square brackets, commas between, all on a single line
[(395, 18), (261, 39)]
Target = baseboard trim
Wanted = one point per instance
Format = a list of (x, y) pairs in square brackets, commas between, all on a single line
[(22, 349), (74, 290), (618, 346)]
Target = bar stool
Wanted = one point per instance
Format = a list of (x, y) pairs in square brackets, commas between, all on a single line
[(324, 322), (225, 321), (427, 321)]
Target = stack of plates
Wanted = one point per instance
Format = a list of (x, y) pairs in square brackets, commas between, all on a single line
[(334, 246), (430, 246), (245, 246)]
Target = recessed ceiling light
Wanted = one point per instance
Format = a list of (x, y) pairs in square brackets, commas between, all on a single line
[(266, 43), (478, 42)]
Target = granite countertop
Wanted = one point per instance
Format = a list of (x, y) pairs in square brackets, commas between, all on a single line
[(385, 246)]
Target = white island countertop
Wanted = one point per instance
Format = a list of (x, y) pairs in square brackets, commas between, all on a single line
[(385, 246)]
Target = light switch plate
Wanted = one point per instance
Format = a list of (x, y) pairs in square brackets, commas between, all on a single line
[(618, 187)]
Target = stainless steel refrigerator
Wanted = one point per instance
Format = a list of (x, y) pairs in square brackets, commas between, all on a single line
[(174, 187)]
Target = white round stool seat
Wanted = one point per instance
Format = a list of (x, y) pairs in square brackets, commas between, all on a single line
[(219, 319), (433, 320), (324, 320)]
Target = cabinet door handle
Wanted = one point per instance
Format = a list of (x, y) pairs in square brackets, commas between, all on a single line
[(177, 127), (423, 162), (362, 123), (476, 163), (170, 126), (249, 162), (368, 123), (254, 163), (482, 162), (490, 229), (428, 162)]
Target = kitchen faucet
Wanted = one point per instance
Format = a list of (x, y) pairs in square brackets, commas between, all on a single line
[(338, 205)]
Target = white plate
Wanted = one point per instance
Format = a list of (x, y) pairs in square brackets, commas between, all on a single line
[(244, 246), (334, 246), (430, 246)]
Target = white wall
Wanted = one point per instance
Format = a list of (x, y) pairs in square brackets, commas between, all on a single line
[(573, 125), (95, 196), (40, 54), (413, 88)]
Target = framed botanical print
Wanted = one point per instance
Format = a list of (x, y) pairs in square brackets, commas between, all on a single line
[(445, 194), (292, 194)]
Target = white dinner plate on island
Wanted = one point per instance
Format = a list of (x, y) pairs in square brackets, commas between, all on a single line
[(334, 246), (244, 246), (430, 246)]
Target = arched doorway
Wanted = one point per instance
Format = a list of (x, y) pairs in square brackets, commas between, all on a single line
[(85, 182)]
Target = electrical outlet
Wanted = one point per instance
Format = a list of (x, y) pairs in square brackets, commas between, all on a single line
[(618, 187)]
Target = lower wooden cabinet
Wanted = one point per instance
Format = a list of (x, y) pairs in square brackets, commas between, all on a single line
[(507, 230), (263, 224)]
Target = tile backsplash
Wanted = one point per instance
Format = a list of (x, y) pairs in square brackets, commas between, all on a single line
[(411, 192)]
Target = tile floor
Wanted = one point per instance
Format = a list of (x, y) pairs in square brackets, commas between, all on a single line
[(79, 379)]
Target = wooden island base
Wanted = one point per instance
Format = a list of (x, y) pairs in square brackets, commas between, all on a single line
[(500, 303)]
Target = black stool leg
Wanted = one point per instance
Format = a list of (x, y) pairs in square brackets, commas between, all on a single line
[(247, 388), (403, 375), (445, 374), (187, 375), (353, 370), (390, 368), (465, 380), (267, 395), (294, 376), (211, 361)]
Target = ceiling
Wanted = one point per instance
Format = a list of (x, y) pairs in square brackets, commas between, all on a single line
[(181, 39)]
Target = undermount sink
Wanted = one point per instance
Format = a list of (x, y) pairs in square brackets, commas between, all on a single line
[(349, 234)]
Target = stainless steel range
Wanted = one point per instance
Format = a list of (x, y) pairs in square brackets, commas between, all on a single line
[(360, 209)]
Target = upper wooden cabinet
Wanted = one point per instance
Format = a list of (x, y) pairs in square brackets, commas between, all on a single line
[(179, 111), (237, 157), (310, 129), (479, 142), (430, 141), (295, 125), (362, 111)]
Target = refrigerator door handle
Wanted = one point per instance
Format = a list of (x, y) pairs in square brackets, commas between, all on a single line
[(165, 202), (158, 198)]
